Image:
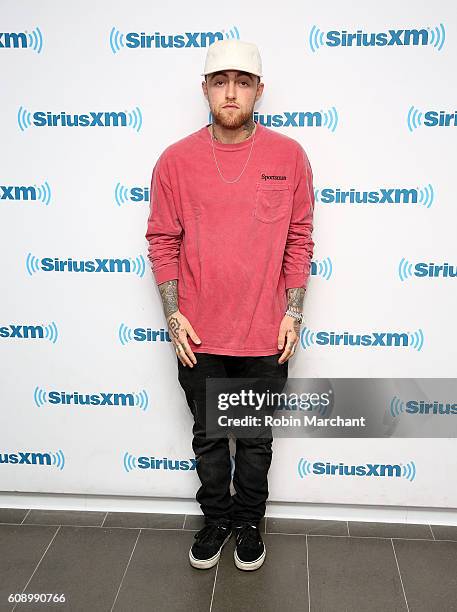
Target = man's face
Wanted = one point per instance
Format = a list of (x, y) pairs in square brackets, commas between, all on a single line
[(231, 96)]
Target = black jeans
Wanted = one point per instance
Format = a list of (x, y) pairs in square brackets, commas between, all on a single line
[(253, 455)]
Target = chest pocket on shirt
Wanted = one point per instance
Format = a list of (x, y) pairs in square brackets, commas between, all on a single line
[(271, 202)]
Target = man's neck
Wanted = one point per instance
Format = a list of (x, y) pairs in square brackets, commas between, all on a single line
[(227, 136)]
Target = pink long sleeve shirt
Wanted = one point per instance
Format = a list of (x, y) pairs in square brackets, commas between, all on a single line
[(233, 247)]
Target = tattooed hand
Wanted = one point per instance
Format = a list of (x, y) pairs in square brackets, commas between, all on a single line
[(289, 330), (179, 328), (289, 334)]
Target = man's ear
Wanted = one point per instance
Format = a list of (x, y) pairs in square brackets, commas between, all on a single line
[(259, 90)]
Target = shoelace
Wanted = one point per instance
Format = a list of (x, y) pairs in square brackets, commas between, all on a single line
[(208, 532), (247, 533)]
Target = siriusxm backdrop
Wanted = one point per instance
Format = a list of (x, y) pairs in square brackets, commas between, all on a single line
[(90, 97)]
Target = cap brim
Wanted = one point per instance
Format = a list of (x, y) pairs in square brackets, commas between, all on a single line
[(254, 73)]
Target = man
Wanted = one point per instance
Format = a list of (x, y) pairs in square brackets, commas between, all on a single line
[(230, 247)]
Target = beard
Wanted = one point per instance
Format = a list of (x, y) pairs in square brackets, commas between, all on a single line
[(231, 119)]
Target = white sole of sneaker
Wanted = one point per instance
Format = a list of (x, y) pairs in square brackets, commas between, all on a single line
[(207, 563), (250, 565)]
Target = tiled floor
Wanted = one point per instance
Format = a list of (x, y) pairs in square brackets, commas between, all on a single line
[(132, 562)]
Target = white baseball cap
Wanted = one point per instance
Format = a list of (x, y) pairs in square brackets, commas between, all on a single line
[(233, 54)]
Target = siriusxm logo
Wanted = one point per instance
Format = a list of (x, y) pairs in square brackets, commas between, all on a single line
[(54, 459), (431, 118), (63, 398), (54, 264), (30, 332), (131, 119), (322, 267), (433, 37), (423, 196), (22, 40), (131, 462), (327, 119), (398, 407), (413, 340), (141, 334), (376, 470), (126, 195), (26, 193), (423, 269), (140, 40)]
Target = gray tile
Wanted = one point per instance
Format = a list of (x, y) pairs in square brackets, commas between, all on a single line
[(309, 526), (84, 563), (161, 578), (389, 530), (445, 532), (21, 549), (144, 519), (197, 521), (64, 517), (12, 515), (194, 521), (354, 574), (279, 584), (428, 571)]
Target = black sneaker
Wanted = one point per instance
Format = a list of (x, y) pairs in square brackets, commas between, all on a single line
[(206, 550), (250, 550)]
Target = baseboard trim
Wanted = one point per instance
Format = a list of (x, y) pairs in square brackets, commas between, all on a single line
[(333, 512)]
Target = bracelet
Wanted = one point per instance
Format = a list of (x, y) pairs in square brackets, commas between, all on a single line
[(295, 315)]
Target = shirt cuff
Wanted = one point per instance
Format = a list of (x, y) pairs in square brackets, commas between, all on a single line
[(166, 273), (295, 280)]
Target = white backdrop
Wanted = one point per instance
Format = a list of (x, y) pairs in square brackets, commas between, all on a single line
[(81, 194)]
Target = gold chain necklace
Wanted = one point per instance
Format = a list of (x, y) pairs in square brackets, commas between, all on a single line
[(245, 165)]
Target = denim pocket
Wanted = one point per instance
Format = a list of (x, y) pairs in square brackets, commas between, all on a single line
[(271, 202)]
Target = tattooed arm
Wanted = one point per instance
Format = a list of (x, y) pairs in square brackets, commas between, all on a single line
[(295, 299), (178, 325), (295, 303), (169, 295), (298, 252), (164, 234)]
